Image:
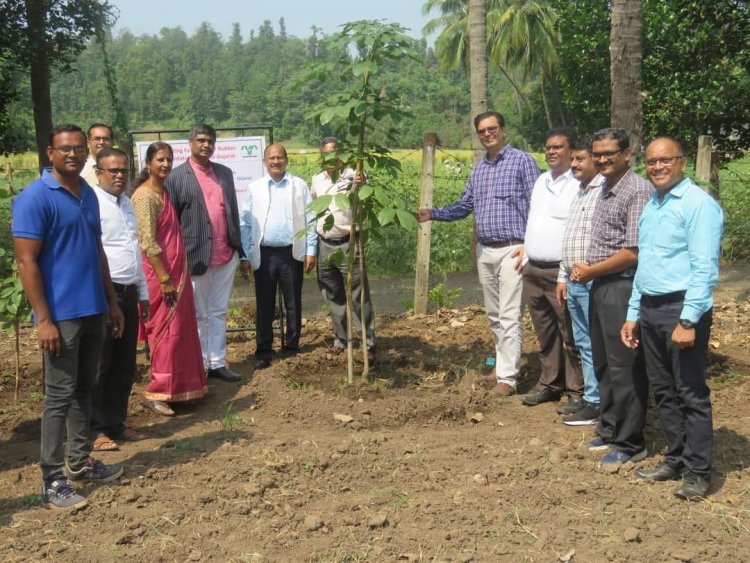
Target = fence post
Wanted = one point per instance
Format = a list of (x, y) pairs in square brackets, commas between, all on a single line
[(426, 187), (703, 159)]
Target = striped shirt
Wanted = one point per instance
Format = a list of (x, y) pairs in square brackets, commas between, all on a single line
[(577, 234), (615, 222), (498, 193)]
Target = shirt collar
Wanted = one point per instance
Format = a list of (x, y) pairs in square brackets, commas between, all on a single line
[(499, 156), (104, 193), (607, 189), (51, 182), (597, 182), (281, 183), (198, 166)]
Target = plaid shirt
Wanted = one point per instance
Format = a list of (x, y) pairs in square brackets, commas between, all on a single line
[(498, 193), (615, 222), (578, 228)]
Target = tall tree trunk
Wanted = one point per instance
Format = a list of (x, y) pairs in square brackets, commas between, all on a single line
[(478, 84), (40, 72), (625, 50), (545, 102), (478, 66)]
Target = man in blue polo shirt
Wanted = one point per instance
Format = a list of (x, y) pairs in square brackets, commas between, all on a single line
[(64, 271), (678, 267)]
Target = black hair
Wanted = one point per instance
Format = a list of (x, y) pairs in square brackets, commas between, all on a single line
[(105, 152), (486, 114), (66, 128), (581, 144), (152, 149), (568, 132), (96, 125), (202, 128), (613, 133)]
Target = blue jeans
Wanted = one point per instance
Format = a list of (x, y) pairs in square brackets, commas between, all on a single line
[(578, 305)]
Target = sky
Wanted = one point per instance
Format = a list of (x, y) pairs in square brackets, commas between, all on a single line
[(149, 16)]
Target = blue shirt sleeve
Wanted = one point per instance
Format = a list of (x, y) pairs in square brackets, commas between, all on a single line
[(30, 216), (462, 208)]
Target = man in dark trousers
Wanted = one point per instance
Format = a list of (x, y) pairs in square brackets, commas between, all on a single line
[(57, 240), (678, 267), (203, 195)]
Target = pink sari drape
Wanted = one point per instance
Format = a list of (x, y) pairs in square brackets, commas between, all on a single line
[(176, 363)]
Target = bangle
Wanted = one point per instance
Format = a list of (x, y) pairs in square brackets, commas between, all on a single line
[(165, 279)]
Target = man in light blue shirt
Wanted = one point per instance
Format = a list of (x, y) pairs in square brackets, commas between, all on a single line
[(279, 240), (678, 267)]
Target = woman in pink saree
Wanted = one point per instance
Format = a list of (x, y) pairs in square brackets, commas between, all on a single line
[(177, 373)]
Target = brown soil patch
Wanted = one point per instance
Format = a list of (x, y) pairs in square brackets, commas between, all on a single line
[(264, 472)]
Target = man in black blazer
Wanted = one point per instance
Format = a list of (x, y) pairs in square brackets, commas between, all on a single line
[(203, 194)]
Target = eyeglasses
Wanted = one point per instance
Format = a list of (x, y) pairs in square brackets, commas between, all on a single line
[(488, 131), (609, 155), (550, 148), (100, 139), (66, 149), (664, 161), (115, 171)]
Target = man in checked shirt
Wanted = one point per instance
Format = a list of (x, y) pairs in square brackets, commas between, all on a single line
[(610, 263), (498, 193)]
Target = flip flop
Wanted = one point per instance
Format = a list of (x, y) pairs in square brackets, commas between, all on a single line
[(104, 444), (159, 407)]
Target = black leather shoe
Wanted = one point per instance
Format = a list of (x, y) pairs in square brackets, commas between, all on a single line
[(574, 405), (540, 395), (225, 374), (262, 363), (693, 488), (664, 472)]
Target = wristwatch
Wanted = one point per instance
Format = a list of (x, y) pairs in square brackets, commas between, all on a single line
[(686, 324)]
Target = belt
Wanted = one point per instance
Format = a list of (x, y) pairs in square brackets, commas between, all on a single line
[(502, 244), (667, 298), (124, 288), (334, 241), (612, 278), (544, 265)]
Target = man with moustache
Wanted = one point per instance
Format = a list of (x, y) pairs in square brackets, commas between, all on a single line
[(575, 244), (274, 211), (203, 195), (671, 304), (56, 235), (109, 406), (550, 205), (610, 266), (99, 136), (498, 193)]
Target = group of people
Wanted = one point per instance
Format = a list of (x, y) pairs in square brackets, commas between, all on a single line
[(617, 273), (102, 269)]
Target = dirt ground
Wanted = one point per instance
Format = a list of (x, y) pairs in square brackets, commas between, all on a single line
[(422, 466)]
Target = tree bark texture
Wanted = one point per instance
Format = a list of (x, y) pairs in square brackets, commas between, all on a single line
[(478, 67), (40, 76), (625, 50)]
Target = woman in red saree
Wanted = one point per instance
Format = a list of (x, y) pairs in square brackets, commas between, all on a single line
[(177, 373)]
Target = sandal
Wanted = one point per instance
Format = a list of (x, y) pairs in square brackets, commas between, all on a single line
[(159, 407), (104, 444)]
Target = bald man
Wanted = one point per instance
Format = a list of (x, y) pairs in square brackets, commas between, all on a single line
[(274, 210), (671, 304)]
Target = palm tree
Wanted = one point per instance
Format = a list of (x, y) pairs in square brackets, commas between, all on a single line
[(478, 64), (520, 33), (625, 48)]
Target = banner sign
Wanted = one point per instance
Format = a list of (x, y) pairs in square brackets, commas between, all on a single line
[(244, 155)]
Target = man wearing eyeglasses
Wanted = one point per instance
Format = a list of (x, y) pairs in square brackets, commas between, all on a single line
[(671, 304), (64, 271), (99, 136), (543, 249), (610, 263), (109, 402), (498, 193)]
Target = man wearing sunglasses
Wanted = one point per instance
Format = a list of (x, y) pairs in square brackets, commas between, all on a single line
[(109, 401), (498, 193), (99, 136), (671, 304)]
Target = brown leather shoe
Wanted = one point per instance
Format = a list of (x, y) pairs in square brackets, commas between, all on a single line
[(502, 390)]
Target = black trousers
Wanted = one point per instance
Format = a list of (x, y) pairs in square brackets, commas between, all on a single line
[(278, 265), (678, 380), (620, 374), (109, 399)]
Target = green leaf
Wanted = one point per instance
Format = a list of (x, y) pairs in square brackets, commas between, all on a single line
[(320, 204), (386, 216), (342, 202), (406, 219), (366, 191)]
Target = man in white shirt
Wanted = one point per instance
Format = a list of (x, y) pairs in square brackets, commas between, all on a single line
[(548, 213), (274, 211), (334, 238), (99, 136), (119, 239)]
